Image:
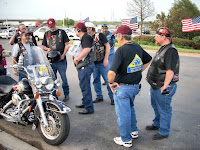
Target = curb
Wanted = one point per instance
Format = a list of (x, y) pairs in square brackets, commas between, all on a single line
[(9, 142)]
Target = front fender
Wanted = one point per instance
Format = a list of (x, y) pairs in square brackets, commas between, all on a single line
[(57, 106)]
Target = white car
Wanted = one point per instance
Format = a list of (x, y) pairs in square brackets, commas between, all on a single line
[(39, 33), (71, 34), (6, 34)]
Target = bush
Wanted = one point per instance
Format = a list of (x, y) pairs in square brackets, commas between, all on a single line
[(182, 42), (149, 39), (196, 39)]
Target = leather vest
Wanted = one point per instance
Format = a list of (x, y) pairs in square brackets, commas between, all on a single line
[(157, 71)]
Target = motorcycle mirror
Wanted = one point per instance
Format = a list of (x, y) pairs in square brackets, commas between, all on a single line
[(6, 53)]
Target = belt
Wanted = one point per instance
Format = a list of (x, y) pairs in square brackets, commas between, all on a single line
[(127, 84)]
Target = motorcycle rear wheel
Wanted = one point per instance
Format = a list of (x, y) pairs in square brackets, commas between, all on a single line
[(58, 129)]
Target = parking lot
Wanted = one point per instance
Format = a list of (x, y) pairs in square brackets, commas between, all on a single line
[(96, 131)]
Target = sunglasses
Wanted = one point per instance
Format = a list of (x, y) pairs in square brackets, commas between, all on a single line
[(104, 25)]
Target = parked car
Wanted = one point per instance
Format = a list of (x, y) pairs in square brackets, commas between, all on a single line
[(39, 33), (6, 33), (71, 34)]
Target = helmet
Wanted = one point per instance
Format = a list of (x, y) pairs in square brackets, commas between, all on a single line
[(53, 56)]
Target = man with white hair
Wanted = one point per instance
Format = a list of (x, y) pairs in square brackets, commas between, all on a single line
[(102, 48)]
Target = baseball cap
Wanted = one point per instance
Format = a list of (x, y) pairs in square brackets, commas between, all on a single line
[(104, 26), (51, 22), (89, 24), (123, 29), (163, 31), (80, 25)]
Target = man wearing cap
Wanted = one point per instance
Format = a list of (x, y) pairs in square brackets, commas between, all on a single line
[(100, 64), (16, 37), (23, 47), (85, 68), (162, 75), (111, 40), (57, 40), (124, 77)]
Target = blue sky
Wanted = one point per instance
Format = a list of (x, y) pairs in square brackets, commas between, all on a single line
[(78, 9)]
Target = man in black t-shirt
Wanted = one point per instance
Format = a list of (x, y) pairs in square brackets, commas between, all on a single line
[(16, 37), (85, 68), (124, 77), (101, 62), (55, 42), (162, 75)]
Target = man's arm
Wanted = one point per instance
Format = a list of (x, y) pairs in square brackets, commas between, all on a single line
[(111, 77), (14, 60), (46, 48), (65, 50), (168, 79), (105, 61), (83, 53), (145, 66), (12, 39)]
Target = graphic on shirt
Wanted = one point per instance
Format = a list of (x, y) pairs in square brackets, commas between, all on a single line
[(135, 65)]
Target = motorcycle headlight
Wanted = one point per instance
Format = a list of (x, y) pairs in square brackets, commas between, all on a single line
[(50, 84), (38, 84)]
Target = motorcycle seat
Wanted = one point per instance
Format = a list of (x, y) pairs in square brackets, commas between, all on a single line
[(6, 83)]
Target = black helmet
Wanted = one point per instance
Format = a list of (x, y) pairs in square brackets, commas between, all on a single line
[(53, 56)]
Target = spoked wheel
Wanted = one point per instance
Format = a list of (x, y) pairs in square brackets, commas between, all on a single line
[(57, 130)]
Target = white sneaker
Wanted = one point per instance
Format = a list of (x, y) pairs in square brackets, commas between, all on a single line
[(134, 134), (118, 140)]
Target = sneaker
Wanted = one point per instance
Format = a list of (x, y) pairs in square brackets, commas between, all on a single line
[(134, 134), (66, 98), (118, 140), (151, 127), (97, 100)]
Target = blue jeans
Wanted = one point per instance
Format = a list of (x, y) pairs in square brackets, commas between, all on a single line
[(124, 106), (84, 75), (22, 74), (99, 70), (110, 58), (61, 67), (162, 108)]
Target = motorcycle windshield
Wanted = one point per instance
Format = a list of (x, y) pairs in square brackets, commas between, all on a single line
[(37, 59)]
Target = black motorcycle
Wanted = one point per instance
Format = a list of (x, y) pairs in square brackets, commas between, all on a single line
[(33, 100)]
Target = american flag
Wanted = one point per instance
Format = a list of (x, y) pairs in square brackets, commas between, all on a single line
[(191, 24), (132, 23), (85, 20)]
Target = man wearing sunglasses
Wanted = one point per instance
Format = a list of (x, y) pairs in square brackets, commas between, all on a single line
[(162, 75), (23, 47)]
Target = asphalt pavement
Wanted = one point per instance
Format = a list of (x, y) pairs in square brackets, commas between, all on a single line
[(96, 131)]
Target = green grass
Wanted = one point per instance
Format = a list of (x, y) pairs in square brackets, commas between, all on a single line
[(152, 47)]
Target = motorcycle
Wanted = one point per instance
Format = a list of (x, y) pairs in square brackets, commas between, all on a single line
[(33, 100)]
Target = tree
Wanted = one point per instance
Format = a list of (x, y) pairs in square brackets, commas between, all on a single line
[(182, 9), (68, 22), (141, 8), (159, 22)]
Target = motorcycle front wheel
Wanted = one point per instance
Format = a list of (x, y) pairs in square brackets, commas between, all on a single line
[(58, 129)]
